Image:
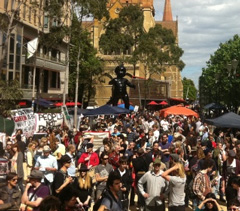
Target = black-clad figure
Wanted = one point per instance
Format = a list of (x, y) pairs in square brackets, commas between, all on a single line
[(119, 89)]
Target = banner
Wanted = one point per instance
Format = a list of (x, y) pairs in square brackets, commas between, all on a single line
[(45, 121), (24, 119), (97, 137), (67, 118)]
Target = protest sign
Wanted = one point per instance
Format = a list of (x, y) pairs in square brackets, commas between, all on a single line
[(48, 120), (24, 119)]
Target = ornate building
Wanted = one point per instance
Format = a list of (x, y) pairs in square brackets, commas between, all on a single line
[(166, 86), (50, 62)]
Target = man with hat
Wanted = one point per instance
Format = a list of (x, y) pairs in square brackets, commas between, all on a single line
[(34, 192), (89, 158), (156, 188), (47, 163), (62, 179)]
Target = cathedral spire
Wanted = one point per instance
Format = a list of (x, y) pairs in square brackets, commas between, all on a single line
[(167, 14)]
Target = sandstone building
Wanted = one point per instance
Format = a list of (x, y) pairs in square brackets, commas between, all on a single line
[(166, 86)]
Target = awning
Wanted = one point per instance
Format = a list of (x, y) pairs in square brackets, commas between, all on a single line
[(44, 103), (178, 99)]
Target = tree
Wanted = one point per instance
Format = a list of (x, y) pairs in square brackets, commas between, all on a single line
[(216, 84), (122, 35), (9, 95), (189, 89), (90, 65)]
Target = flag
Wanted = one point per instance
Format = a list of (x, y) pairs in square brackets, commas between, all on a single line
[(32, 47)]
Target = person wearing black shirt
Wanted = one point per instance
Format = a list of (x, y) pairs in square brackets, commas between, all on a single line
[(61, 179)]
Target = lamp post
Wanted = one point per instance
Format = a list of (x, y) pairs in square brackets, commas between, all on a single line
[(232, 69)]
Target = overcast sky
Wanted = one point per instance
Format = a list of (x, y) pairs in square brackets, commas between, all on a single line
[(203, 25)]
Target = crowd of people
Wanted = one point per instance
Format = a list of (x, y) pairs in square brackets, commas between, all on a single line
[(173, 162)]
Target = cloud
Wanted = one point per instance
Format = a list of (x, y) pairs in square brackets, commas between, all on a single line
[(203, 25)]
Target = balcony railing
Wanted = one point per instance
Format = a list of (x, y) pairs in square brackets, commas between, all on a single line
[(44, 61)]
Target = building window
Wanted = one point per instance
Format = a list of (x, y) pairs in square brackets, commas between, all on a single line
[(46, 21), (18, 52), (10, 76), (12, 43), (29, 14), (55, 80), (11, 61), (24, 11), (35, 16)]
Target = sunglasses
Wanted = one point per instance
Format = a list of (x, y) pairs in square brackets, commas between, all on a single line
[(105, 158), (14, 180)]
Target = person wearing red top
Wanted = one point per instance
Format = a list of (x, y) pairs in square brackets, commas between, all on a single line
[(89, 158)]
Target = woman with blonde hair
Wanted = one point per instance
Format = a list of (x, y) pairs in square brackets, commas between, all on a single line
[(84, 186), (177, 179), (30, 156)]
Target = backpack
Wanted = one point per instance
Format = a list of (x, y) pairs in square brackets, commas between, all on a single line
[(99, 201)]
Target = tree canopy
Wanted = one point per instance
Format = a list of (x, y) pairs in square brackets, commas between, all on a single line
[(216, 83), (126, 36), (189, 89), (9, 95)]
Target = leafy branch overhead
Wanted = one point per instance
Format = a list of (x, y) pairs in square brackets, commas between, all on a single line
[(126, 35)]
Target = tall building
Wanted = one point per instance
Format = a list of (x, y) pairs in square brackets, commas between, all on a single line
[(32, 21), (165, 86)]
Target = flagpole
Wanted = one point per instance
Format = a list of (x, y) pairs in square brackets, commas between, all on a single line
[(34, 77)]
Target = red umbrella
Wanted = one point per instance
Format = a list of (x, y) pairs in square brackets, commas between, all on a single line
[(163, 103), (58, 104), (72, 104), (152, 103)]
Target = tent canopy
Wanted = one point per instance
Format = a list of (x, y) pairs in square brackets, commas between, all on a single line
[(107, 110), (131, 108), (214, 106), (228, 120), (152, 103), (178, 110), (163, 103), (6, 126), (79, 111)]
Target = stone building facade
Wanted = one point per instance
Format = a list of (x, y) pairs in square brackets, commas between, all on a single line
[(50, 62), (169, 83)]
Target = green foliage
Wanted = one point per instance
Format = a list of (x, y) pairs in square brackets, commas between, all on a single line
[(90, 64), (154, 48), (189, 89), (157, 50), (9, 95), (92, 8), (124, 32), (215, 83)]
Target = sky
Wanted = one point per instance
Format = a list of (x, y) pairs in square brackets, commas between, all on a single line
[(202, 26)]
